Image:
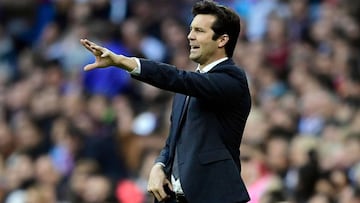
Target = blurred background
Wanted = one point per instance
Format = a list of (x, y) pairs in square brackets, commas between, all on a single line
[(68, 136)]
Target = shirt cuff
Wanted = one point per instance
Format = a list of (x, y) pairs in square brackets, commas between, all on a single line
[(159, 163), (136, 70)]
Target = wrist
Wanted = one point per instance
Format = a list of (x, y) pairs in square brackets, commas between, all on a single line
[(159, 164), (127, 63)]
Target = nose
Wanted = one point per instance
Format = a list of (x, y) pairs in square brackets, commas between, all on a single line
[(190, 36)]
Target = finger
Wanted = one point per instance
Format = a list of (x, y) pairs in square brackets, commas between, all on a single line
[(97, 50), (100, 51), (86, 45), (162, 193), (87, 42), (92, 47), (168, 183), (90, 66), (157, 196), (90, 42)]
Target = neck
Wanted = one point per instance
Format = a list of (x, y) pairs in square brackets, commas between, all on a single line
[(201, 66)]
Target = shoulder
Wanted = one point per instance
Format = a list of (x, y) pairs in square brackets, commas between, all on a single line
[(228, 66)]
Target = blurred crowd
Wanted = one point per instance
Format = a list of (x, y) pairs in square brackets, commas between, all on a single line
[(69, 136)]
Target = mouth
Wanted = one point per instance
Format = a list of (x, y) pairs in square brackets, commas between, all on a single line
[(194, 47)]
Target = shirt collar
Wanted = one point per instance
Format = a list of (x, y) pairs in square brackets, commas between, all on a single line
[(208, 67)]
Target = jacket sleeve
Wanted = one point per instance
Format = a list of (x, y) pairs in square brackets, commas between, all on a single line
[(164, 154), (220, 84)]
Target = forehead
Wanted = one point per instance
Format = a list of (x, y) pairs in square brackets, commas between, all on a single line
[(203, 21)]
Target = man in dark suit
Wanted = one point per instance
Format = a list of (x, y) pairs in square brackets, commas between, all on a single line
[(200, 161)]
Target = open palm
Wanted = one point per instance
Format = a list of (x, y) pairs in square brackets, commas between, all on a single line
[(103, 56)]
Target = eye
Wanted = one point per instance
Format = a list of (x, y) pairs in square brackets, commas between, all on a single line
[(198, 30)]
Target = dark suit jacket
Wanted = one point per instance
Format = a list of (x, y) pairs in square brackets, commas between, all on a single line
[(210, 137)]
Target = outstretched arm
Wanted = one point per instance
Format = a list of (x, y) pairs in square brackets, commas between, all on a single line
[(105, 58)]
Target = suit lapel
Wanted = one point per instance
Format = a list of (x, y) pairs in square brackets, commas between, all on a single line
[(178, 114), (179, 109)]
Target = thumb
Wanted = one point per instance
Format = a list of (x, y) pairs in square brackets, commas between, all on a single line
[(90, 67)]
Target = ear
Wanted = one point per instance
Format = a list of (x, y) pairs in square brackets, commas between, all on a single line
[(222, 40)]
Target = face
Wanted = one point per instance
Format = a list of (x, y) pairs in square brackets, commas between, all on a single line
[(203, 49)]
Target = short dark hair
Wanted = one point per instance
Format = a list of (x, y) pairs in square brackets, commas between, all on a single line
[(227, 22)]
